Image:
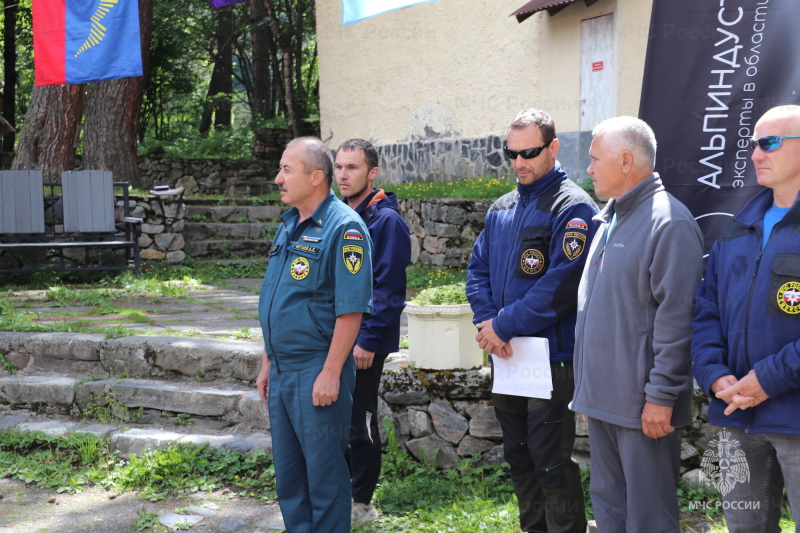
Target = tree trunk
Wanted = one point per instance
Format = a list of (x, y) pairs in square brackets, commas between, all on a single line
[(262, 53), (10, 71), (113, 109), (50, 135), (220, 87), (288, 83)]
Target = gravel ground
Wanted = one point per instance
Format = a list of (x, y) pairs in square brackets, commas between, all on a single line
[(27, 509)]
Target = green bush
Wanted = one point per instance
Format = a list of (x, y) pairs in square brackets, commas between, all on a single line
[(455, 293)]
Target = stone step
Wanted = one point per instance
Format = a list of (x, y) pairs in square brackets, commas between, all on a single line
[(126, 439), (229, 248), (227, 213), (199, 231), (159, 411), (160, 357)]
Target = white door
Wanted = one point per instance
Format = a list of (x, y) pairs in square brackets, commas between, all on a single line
[(597, 71)]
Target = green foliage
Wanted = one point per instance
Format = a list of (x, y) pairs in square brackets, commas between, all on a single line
[(489, 187), (183, 467), (68, 463), (185, 141), (197, 218), (417, 497), (443, 295), (65, 463), (108, 409), (7, 366), (423, 276), (145, 520)]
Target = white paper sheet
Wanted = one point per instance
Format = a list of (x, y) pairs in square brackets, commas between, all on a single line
[(527, 372)]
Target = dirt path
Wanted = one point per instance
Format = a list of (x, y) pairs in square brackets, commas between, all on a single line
[(27, 509)]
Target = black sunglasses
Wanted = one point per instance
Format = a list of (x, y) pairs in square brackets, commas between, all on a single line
[(770, 143), (528, 153)]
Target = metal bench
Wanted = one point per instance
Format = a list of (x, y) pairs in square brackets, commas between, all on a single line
[(39, 222)]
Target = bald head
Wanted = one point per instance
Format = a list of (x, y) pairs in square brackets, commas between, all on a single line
[(786, 112)]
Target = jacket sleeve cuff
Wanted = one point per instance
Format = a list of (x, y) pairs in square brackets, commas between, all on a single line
[(502, 334), (366, 344), (771, 378)]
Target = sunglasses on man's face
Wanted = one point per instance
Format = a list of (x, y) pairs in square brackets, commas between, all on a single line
[(770, 143), (528, 153)]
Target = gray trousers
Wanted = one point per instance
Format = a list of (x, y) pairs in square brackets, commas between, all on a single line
[(634, 479)]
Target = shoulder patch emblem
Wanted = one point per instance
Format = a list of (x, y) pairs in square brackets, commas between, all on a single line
[(353, 257), (789, 297), (578, 224), (353, 235), (300, 268), (574, 244), (532, 261)]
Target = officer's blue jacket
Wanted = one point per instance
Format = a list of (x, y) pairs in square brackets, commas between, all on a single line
[(391, 253), (318, 269), (748, 316), (527, 262)]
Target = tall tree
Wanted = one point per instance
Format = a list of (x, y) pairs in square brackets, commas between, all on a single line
[(283, 36), (220, 88), (263, 51), (10, 70), (50, 135), (112, 114)]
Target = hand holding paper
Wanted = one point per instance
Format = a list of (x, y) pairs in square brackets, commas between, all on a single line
[(527, 373)]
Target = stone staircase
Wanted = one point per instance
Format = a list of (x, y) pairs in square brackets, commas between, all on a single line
[(230, 229), (141, 392)]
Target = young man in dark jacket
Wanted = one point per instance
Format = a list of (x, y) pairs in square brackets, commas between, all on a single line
[(746, 336), (356, 168), (523, 281)]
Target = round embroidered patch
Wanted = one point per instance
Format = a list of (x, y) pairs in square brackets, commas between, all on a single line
[(532, 261), (300, 268), (789, 297)]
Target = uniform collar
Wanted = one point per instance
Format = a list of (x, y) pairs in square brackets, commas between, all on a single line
[(753, 211), (643, 190), (538, 187), (318, 217)]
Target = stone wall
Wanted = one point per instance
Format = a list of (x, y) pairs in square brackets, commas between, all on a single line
[(448, 415), (443, 230), (235, 177), (161, 237), (443, 159)]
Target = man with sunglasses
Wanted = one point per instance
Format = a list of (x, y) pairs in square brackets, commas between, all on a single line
[(632, 359), (522, 281), (746, 335)]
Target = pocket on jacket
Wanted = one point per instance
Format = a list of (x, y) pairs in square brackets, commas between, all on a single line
[(533, 255), (305, 265), (784, 287)]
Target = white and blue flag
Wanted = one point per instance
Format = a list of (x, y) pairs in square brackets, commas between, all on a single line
[(355, 10)]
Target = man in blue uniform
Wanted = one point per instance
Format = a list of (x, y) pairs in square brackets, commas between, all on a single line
[(317, 286), (746, 336), (356, 168), (523, 281)]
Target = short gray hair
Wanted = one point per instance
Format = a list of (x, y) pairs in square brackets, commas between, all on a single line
[(533, 116), (317, 157), (633, 134)]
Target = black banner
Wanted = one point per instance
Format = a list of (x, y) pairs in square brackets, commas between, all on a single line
[(713, 68)]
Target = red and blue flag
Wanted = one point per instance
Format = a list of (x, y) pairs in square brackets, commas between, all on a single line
[(79, 41)]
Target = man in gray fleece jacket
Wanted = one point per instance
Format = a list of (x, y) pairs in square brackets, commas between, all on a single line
[(632, 359)]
